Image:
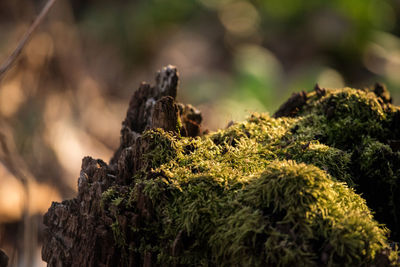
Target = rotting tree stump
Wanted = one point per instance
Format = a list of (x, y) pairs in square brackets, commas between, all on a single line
[(79, 232), (279, 190)]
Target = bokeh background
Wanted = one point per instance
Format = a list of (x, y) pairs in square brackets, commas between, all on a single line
[(67, 94)]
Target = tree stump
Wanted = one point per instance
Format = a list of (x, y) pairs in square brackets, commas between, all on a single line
[(79, 231), (280, 190)]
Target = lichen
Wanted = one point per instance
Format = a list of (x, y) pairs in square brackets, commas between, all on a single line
[(314, 189)]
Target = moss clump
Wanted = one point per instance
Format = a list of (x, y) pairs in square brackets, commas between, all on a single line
[(273, 191), (363, 126), (379, 179), (161, 148), (294, 214)]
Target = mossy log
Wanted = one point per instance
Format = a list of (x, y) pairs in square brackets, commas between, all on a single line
[(316, 184)]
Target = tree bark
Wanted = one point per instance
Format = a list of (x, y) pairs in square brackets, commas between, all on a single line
[(78, 231)]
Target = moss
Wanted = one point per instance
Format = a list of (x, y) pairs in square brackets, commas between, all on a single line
[(342, 117), (273, 191), (120, 241), (108, 196), (379, 180), (301, 206), (162, 147), (119, 237), (179, 126)]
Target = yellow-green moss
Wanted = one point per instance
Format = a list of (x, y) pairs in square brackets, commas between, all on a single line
[(273, 191), (341, 117), (299, 207)]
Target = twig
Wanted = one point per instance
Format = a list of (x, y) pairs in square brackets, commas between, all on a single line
[(17, 51)]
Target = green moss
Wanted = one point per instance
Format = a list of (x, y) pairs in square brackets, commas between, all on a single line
[(302, 206), (379, 179), (120, 241), (272, 191), (342, 117), (179, 125), (108, 196), (162, 147), (119, 236)]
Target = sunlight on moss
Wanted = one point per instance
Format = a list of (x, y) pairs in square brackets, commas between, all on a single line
[(273, 191)]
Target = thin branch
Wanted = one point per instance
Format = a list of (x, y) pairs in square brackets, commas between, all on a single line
[(25, 38)]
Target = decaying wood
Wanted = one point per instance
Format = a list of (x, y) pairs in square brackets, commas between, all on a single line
[(78, 231), (292, 105)]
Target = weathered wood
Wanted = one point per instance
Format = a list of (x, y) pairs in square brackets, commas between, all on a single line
[(292, 105), (78, 231)]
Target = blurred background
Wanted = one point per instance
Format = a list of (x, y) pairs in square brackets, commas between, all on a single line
[(67, 94)]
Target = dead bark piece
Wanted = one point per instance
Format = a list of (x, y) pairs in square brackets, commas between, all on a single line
[(192, 128), (153, 107), (125, 165), (191, 120), (165, 115), (319, 91), (167, 81), (75, 233), (292, 105), (381, 91), (141, 105)]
